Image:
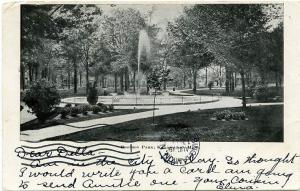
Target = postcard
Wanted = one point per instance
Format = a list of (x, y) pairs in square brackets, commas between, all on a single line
[(151, 95)]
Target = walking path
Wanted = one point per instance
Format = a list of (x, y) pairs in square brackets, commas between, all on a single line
[(58, 130)]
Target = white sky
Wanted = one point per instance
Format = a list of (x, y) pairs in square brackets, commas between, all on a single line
[(162, 13)]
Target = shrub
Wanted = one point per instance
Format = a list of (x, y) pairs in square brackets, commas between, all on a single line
[(68, 105), (104, 109), (100, 104), (92, 97), (74, 111), (41, 98), (110, 107), (84, 109), (229, 115), (260, 92), (64, 112), (96, 109)]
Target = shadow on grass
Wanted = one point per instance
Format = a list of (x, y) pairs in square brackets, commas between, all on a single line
[(264, 124)]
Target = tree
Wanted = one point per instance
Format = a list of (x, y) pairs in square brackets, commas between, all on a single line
[(154, 81), (191, 51), (121, 36), (37, 26), (79, 33), (229, 32)]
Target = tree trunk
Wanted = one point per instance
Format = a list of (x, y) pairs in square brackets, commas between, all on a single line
[(231, 82), (102, 81), (97, 78), (87, 72), (62, 80), (220, 77), (235, 84), (206, 84), (30, 69), (69, 79), (277, 81), (49, 74), (134, 81), (227, 80), (116, 82), (75, 76), (184, 80), (121, 82), (126, 76), (36, 70), (195, 81), (243, 89), (80, 78), (165, 84)]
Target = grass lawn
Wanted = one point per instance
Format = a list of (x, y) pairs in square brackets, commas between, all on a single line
[(264, 124)]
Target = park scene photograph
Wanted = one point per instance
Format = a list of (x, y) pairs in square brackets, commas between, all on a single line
[(152, 72)]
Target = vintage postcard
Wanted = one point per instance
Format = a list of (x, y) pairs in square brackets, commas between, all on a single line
[(151, 95)]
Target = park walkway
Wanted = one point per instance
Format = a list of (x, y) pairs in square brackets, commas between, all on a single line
[(59, 130)]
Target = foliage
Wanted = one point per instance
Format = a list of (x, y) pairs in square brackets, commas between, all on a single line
[(229, 115), (100, 104), (74, 111), (155, 78), (260, 92), (84, 109), (92, 97), (111, 107), (41, 98), (96, 109), (64, 112), (102, 107), (68, 105)]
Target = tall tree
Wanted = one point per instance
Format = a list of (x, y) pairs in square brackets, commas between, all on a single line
[(192, 52), (81, 24)]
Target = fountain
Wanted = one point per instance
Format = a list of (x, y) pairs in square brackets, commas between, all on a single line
[(144, 45), (146, 100)]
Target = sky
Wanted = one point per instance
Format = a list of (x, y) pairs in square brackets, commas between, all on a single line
[(161, 13)]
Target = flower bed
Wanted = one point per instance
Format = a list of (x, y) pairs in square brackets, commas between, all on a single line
[(68, 110), (229, 115)]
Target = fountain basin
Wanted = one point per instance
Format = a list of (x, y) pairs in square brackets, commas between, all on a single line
[(121, 100)]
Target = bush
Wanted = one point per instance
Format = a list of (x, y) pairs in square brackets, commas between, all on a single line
[(110, 107), (100, 104), (84, 109), (260, 92), (41, 98), (92, 97), (74, 111), (104, 109), (229, 115), (96, 109), (68, 105), (64, 112)]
